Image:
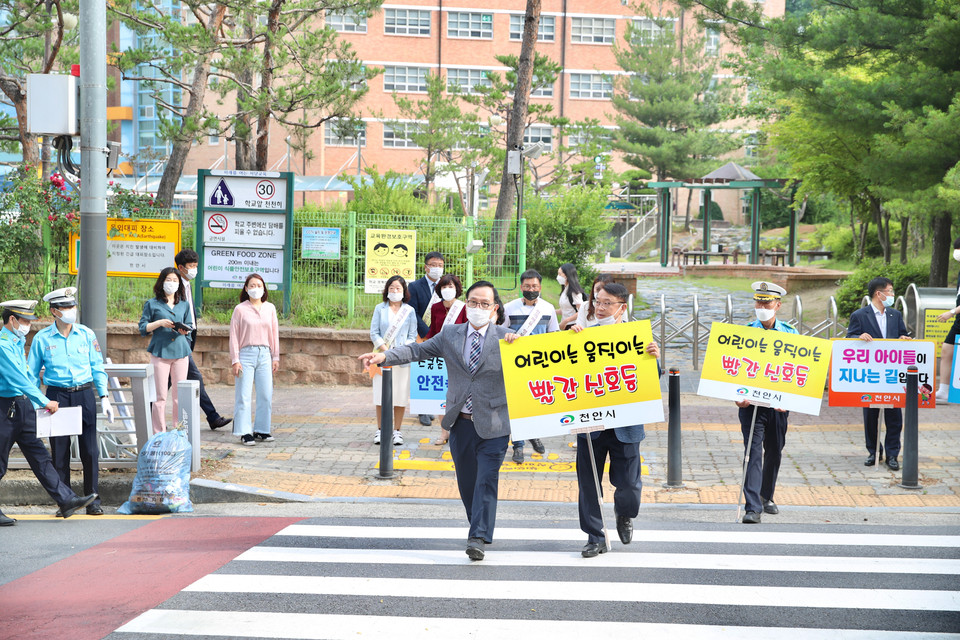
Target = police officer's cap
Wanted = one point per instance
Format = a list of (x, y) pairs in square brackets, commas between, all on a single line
[(64, 297), (766, 291), (21, 308)]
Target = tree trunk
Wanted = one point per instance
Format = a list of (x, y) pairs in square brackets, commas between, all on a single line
[(178, 155), (942, 249), (883, 233), (242, 129), (515, 125), (266, 85), (686, 215), (17, 96), (862, 242), (904, 238)]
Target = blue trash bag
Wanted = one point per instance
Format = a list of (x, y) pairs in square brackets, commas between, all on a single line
[(162, 484)]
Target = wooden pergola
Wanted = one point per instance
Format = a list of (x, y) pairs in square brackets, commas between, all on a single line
[(729, 176)]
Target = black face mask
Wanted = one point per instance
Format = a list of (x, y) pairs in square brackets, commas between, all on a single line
[(531, 295)]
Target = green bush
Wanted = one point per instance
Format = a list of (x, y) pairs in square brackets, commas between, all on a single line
[(716, 213), (854, 287), (569, 227)]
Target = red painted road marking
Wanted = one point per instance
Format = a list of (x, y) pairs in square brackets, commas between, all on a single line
[(88, 595)]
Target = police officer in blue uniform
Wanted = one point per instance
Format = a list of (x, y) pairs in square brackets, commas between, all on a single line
[(770, 430), (18, 417), (72, 364)]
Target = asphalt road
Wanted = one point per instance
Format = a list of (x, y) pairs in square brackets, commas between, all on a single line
[(398, 569)]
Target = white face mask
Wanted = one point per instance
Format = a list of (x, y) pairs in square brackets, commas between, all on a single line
[(191, 274), (765, 315), (448, 293), (23, 329), (69, 316), (255, 293), (611, 319), (478, 317), (562, 280), (956, 254), (171, 288), (395, 296), (434, 273)]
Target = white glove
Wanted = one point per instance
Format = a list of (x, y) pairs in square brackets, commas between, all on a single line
[(107, 409)]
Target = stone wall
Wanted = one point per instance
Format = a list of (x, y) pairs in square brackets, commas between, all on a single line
[(307, 356)]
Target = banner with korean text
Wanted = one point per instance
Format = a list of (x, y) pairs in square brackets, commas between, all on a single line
[(389, 252), (863, 374), (768, 368), (599, 378), (428, 387)]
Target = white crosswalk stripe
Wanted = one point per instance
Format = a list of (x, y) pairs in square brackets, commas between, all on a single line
[(372, 579)]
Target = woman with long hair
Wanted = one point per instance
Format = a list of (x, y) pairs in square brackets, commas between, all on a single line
[(166, 318), (571, 298)]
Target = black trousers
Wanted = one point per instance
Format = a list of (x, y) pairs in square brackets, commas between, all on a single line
[(769, 436), (624, 476), (88, 441), (893, 420), (477, 462), (21, 428), (206, 405)]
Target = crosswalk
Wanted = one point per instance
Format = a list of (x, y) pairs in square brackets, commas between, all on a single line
[(379, 579)]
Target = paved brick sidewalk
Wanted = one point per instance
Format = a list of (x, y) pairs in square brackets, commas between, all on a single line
[(324, 448)]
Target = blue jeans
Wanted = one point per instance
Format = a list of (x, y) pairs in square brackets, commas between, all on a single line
[(257, 369)]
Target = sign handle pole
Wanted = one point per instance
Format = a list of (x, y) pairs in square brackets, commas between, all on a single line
[(596, 480), (876, 459), (746, 460)]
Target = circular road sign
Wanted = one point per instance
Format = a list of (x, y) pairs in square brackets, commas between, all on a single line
[(217, 223)]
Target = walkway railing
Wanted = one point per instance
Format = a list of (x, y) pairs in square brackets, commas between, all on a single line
[(644, 229)]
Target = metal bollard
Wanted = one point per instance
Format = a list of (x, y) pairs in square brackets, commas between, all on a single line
[(188, 395), (386, 423), (674, 463), (909, 479)]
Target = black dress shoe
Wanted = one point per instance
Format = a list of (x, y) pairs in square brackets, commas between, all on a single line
[(751, 517), (593, 549), (518, 455), (769, 506), (475, 548), (425, 420), (6, 521), (73, 505), (625, 529), (94, 510), (893, 464), (870, 461), (216, 423), (538, 445)]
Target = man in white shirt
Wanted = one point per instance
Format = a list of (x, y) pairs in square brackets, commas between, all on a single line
[(530, 315), (187, 262)]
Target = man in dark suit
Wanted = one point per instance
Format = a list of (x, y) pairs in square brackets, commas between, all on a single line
[(422, 291), (880, 320), (187, 262), (477, 416)]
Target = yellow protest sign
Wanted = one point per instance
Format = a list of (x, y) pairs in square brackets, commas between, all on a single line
[(389, 252), (135, 248), (601, 377), (768, 368), (935, 330)]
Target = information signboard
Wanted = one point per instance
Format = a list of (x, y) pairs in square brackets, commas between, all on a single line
[(135, 248), (320, 243)]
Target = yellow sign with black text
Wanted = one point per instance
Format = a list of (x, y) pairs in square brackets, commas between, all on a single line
[(135, 248), (769, 368), (599, 378), (389, 252)]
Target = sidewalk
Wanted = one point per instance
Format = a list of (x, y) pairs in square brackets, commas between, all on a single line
[(324, 448)]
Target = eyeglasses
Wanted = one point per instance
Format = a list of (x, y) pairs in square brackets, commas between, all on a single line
[(473, 304), (604, 305)]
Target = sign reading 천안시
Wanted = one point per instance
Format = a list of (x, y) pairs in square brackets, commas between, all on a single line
[(428, 387), (871, 373), (389, 252), (768, 368), (599, 378)]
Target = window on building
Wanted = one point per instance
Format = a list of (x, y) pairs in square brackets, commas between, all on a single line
[(595, 86), (546, 31), (347, 21), (467, 79), (405, 79), (406, 22), (397, 135), (711, 41), (751, 146), (213, 137), (646, 31), (539, 133), (540, 88), (593, 30), (576, 140), (467, 24), (339, 132)]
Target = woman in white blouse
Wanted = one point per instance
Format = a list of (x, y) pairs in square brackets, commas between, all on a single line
[(571, 298)]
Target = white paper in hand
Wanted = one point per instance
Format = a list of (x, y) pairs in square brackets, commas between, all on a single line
[(67, 421)]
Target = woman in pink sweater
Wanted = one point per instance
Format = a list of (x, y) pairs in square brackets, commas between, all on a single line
[(255, 355)]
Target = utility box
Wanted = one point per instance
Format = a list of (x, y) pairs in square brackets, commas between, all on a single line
[(513, 162), (52, 105)]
